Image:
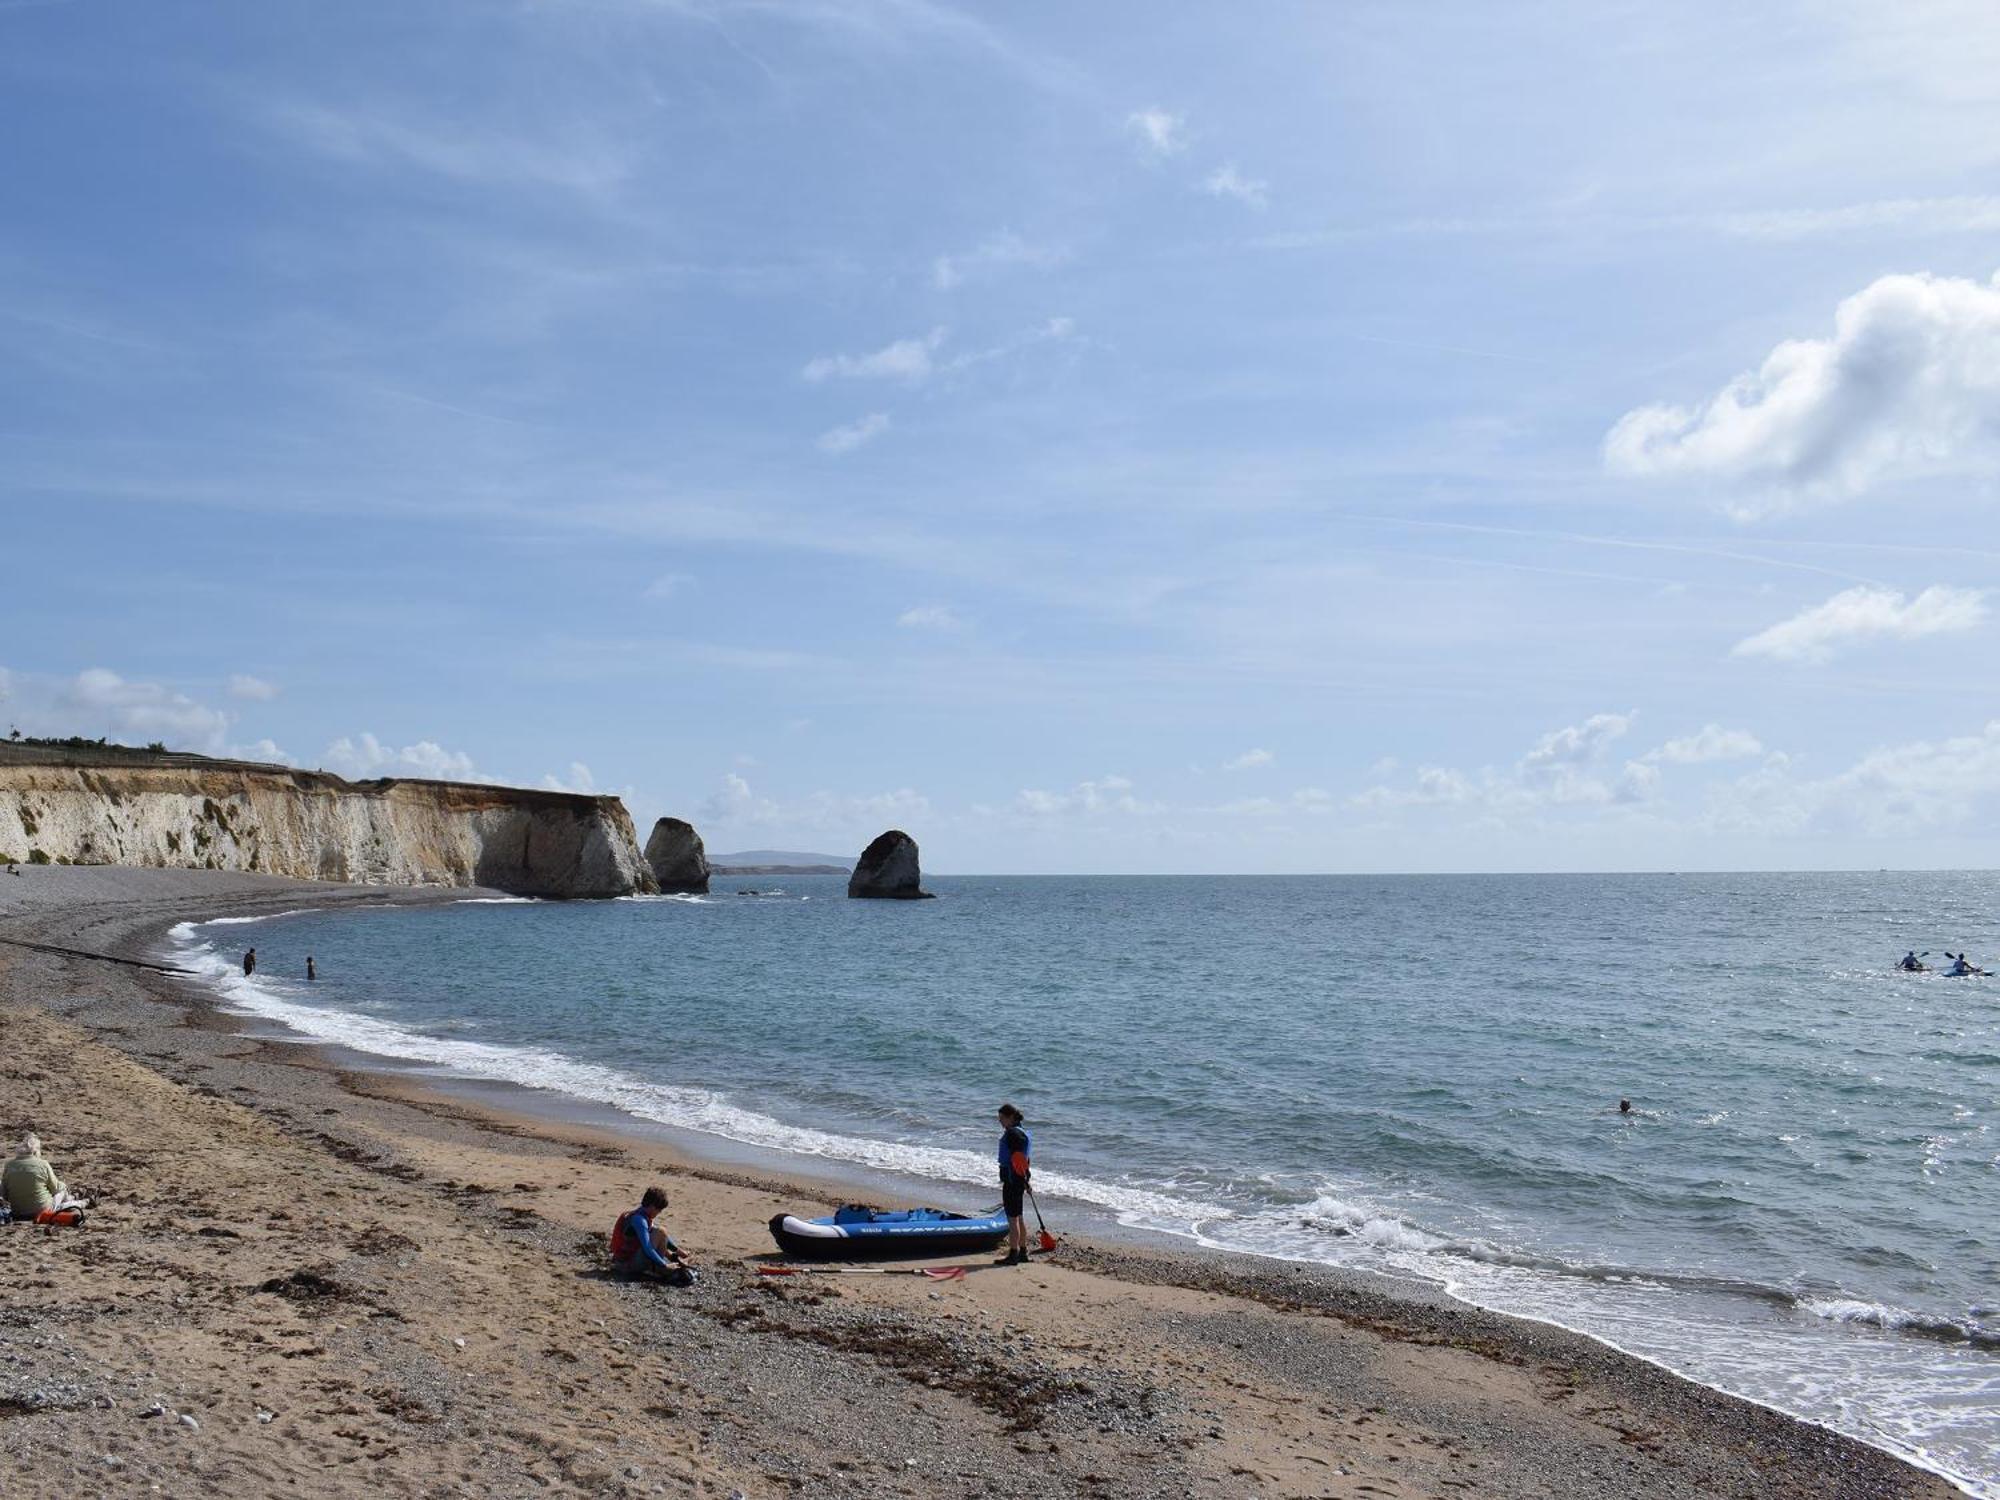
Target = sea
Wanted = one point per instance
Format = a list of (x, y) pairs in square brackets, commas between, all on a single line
[(1414, 1075)]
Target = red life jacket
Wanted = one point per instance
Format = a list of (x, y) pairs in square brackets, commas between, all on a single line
[(622, 1247)]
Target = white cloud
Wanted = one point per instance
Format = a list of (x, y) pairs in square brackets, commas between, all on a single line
[(906, 359), (143, 710), (1249, 760), (846, 439), (377, 138), (1864, 613), (930, 617), (1226, 182), (365, 756), (1710, 743), (579, 780), (1892, 792), (1161, 134), (1565, 768), (858, 817), (1106, 794), (1575, 745), (1908, 384), (736, 803), (242, 685), (1953, 215), (999, 253), (667, 585)]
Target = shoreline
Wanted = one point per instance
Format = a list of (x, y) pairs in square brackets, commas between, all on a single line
[(1161, 1371)]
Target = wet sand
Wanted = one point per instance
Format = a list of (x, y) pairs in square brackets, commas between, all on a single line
[(350, 1282)]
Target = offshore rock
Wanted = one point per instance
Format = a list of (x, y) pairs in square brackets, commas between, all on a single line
[(679, 862), (193, 812), (887, 870)]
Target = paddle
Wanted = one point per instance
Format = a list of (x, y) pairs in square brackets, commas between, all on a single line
[(935, 1273), (1048, 1241)]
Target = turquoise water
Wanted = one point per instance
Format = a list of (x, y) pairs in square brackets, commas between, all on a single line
[(1413, 1074)]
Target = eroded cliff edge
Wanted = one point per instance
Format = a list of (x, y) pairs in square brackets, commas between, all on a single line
[(193, 812)]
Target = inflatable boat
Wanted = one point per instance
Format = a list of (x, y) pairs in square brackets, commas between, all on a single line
[(859, 1232)]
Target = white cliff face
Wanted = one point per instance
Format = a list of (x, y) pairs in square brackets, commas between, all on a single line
[(313, 826)]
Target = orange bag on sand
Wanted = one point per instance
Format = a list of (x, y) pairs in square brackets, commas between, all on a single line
[(64, 1217)]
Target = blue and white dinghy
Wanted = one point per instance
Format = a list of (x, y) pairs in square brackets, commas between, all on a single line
[(861, 1232)]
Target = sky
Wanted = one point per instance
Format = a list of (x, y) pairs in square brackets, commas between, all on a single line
[(1336, 436)]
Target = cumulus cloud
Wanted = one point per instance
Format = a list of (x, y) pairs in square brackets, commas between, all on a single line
[(667, 585), (1161, 134), (1249, 760), (142, 710), (579, 779), (1000, 253), (1890, 792), (854, 434), (905, 359), (242, 685), (1908, 384), (1566, 767), (364, 755), (1865, 613), (930, 617), (1576, 745), (1710, 743), (1226, 182)]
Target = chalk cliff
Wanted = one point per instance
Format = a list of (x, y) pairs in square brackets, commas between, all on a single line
[(184, 810)]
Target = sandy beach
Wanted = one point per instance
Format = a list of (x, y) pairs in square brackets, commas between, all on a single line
[(304, 1279)]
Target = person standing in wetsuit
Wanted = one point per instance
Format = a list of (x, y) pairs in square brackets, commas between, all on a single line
[(250, 963), (1015, 1147)]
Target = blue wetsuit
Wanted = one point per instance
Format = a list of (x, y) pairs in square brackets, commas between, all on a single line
[(641, 1254), (1013, 1185)]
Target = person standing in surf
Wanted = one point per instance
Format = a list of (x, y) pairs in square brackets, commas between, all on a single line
[(1015, 1147), (250, 963)]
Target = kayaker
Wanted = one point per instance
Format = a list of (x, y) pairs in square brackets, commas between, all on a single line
[(642, 1248), (1911, 964), (1015, 1147), (1961, 967)]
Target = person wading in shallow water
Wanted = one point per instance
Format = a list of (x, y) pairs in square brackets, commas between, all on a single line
[(1015, 1147), (311, 973), (250, 963)]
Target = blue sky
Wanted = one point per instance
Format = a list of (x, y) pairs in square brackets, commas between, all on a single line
[(1332, 436)]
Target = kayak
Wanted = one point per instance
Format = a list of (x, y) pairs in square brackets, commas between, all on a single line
[(859, 1232)]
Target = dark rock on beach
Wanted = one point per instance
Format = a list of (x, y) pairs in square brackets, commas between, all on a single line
[(887, 870), (678, 860)]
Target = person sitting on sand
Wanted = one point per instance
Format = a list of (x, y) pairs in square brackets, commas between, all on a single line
[(642, 1248), (33, 1191), (1015, 1147)]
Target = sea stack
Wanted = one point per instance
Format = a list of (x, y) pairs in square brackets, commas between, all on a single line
[(679, 862), (887, 870)]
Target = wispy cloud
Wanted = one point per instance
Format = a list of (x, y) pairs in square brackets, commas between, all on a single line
[(852, 435), (1249, 760), (1161, 133), (378, 136), (905, 359), (242, 685), (1002, 252), (1226, 182), (930, 617), (1860, 614)]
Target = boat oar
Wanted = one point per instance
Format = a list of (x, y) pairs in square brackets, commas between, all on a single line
[(1048, 1241), (935, 1273)]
